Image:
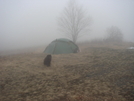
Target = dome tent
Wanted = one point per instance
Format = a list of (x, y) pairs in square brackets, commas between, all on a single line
[(61, 46)]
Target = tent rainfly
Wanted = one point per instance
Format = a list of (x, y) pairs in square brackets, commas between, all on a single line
[(61, 46)]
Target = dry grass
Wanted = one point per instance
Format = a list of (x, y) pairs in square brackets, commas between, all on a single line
[(96, 74)]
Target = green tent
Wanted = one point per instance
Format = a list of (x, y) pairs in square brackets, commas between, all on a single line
[(61, 46)]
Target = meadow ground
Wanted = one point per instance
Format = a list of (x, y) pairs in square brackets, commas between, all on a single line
[(98, 73)]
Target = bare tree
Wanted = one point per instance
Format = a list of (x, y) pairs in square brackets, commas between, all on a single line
[(114, 34), (74, 23)]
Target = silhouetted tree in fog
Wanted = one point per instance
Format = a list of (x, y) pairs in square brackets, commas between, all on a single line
[(73, 22), (114, 34)]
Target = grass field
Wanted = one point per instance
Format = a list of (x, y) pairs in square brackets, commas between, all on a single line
[(98, 73)]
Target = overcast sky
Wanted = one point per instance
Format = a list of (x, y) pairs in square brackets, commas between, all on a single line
[(28, 23)]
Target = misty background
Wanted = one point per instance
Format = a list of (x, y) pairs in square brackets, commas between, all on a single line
[(29, 23)]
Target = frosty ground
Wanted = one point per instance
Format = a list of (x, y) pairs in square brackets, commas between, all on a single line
[(97, 73)]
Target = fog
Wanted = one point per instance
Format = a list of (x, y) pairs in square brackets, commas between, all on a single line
[(29, 23)]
